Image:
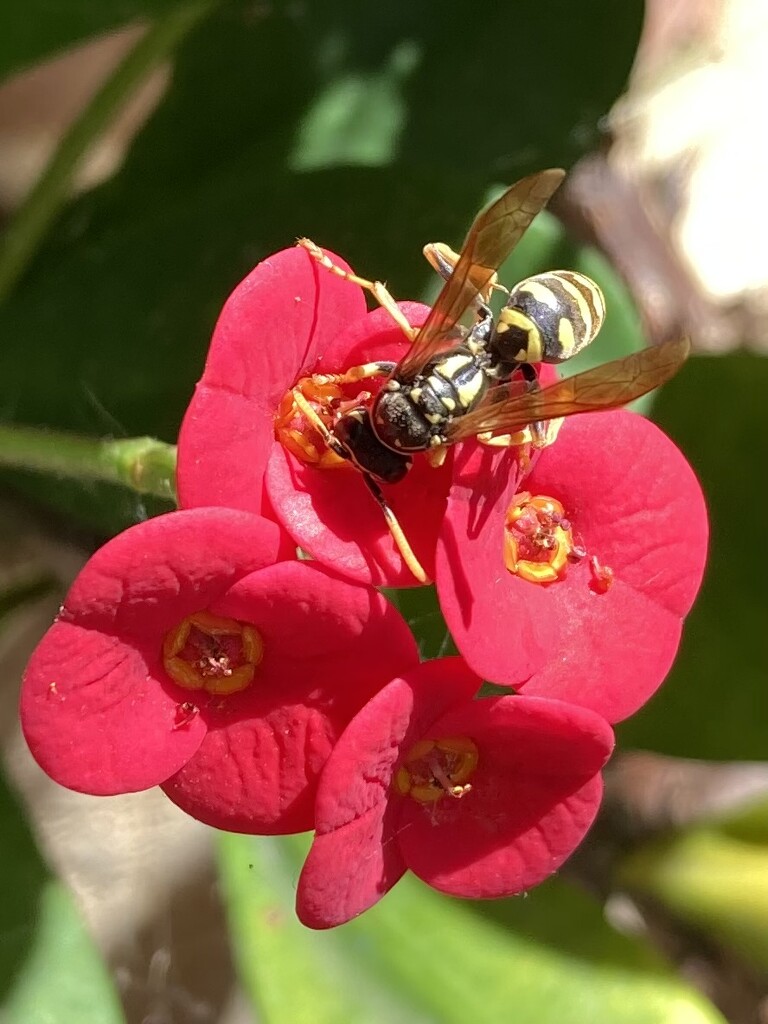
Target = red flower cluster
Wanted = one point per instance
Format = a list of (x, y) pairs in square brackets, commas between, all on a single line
[(268, 694)]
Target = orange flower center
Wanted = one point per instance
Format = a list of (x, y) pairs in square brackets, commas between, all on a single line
[(437, 768), (295, 430), (537, 538), (209, 652)]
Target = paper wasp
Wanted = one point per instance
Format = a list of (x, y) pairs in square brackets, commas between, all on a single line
[(454, 383)]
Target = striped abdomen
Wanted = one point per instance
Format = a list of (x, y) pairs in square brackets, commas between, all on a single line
[(548, 318)]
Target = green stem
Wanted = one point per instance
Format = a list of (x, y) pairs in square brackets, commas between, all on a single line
[(144, 464), (46, 199)]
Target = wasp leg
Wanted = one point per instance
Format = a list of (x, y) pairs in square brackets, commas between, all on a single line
[(443, 259), (376, 288), (396, 530), (543, 432), (309, 414), (436, 455), (382, 368)]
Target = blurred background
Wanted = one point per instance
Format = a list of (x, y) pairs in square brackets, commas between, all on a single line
[(151, 152)]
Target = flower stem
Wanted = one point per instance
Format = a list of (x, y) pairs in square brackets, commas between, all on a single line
[(144, 464), (52, 190)]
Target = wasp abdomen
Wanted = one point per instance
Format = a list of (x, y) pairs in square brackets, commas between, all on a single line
[(548, 318), (355, 433)]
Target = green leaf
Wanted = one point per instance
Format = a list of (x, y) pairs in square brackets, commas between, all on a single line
[(44, 201), (121, 299), (748, 823), (50, 969), (513, 95), (34, 30), (715, 410), (420, 609), (713, 881), (418, 956)]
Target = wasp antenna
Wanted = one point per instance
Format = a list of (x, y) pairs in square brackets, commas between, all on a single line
[(396, 530)]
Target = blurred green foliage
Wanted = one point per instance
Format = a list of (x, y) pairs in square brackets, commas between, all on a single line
[(548, 957), (50, 969)]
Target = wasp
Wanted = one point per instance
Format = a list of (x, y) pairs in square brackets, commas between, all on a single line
[(454, 382)]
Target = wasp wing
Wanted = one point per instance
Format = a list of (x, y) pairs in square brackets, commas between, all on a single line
[(604, 387), (492, 237)]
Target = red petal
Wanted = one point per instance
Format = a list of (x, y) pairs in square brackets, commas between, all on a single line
[(329, 646), (307, 614), (500, 623), (99, 713), (348, 871), (258, 774), (634, 501), (145, 580), (534, 794), (613, 650), (635, 504), (333, 517), (370, 338), (97, 717), (353, 859), (277, 320)]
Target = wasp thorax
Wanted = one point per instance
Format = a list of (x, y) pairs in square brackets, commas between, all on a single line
[(548, 318), (355, 434)]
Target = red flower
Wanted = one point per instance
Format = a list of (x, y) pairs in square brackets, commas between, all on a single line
[(183, 656), (479, 798), (269, 333), (624, 552), (287, 320)]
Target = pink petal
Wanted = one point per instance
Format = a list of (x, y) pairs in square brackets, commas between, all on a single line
[(98, 716), (329, 647), (634, 500), (333, 517), (145, 580), (277, 320), (500, 623), (353, 860), (534, 794)]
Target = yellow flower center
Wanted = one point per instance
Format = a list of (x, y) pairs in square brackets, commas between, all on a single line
[(296, 431), (537, 538), (437, 768), (209, 652)]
